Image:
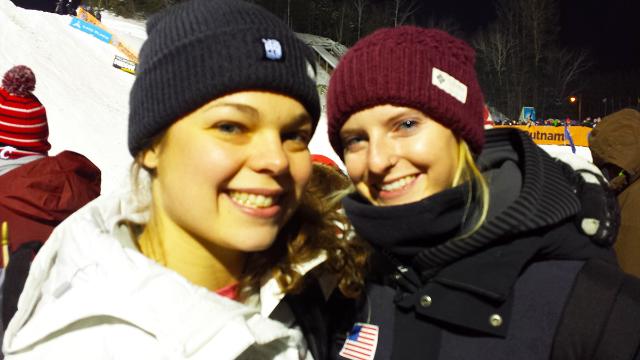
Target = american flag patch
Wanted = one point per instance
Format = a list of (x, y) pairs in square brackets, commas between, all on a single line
[(361, 343)]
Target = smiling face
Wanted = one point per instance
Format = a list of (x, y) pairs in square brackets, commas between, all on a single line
[(397, 155), (232, 173)]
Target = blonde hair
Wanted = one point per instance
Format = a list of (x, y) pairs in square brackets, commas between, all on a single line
[(468, 172)]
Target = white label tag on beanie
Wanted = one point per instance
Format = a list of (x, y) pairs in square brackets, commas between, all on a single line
[(272, 49), (449, 84)]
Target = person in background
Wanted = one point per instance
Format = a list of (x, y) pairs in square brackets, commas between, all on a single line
[(61, 7), (329, 179), (72, 8), (330, 176), (217, 250), (615, 148), (478, 237), (37, 191)]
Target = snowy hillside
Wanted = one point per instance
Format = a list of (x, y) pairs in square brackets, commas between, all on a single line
[(85, 96)]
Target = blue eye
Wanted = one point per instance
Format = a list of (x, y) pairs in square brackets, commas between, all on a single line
[(408, 124), (352, 143), (230, 128), (299, 136)]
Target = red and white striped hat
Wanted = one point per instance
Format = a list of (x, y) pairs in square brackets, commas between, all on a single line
[(23, 119)]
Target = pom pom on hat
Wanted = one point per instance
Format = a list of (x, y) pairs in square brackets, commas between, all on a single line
[(23, 119), (19, 80)]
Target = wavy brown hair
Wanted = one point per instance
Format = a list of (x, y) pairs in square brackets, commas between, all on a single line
[(317, 227)]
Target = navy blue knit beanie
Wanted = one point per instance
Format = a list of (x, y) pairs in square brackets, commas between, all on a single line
[(200, 50)]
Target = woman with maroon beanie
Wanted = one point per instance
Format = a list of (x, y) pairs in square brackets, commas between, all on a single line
[(476, 248)]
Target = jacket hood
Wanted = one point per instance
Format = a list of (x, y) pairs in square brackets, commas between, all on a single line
[(539, 216), (37, 193), (616, 140), (51, 188), (529, 192)]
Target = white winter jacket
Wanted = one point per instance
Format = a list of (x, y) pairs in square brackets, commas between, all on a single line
[(91, 294)]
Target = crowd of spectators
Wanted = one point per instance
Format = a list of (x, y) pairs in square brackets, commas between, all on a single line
[(589, 122)]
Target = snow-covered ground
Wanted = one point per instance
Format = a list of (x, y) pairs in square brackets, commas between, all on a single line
[(581, 151), (86, 98)]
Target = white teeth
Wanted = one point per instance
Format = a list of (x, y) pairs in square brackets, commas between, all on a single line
[(252, 200), (400, 183)]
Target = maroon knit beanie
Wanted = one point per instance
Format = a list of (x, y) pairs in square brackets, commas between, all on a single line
[(425, 69)]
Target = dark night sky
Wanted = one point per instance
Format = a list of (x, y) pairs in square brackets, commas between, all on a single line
[(610, 29)]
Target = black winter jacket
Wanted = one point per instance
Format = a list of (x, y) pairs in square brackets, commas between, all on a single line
[(498, 294)]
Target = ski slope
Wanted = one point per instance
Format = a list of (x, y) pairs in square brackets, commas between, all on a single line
[(86, 98)]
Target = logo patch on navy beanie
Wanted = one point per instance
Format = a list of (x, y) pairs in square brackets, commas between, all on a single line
[(272, 49)]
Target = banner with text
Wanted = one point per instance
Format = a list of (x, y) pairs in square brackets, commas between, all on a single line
[(554, 135), (86, 16), (91, 29)]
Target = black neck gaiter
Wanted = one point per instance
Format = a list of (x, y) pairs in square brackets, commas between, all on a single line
[(405, 230)]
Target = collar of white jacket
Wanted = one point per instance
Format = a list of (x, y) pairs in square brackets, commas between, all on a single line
[(91, 277)]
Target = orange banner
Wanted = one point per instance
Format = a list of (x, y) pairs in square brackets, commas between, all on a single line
[(554, 135), (86, 16)]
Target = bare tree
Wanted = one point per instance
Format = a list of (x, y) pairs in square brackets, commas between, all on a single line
[(520, 59), (568, 66), (402, 10), (446, 24), (360, 5), (340, 25), (541, 25), (495, 47)]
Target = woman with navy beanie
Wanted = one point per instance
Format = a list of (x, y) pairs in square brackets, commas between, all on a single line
[(477, 237), (219, 250)]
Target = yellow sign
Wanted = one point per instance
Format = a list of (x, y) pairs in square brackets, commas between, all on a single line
[(554, 135), (125, 65)]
